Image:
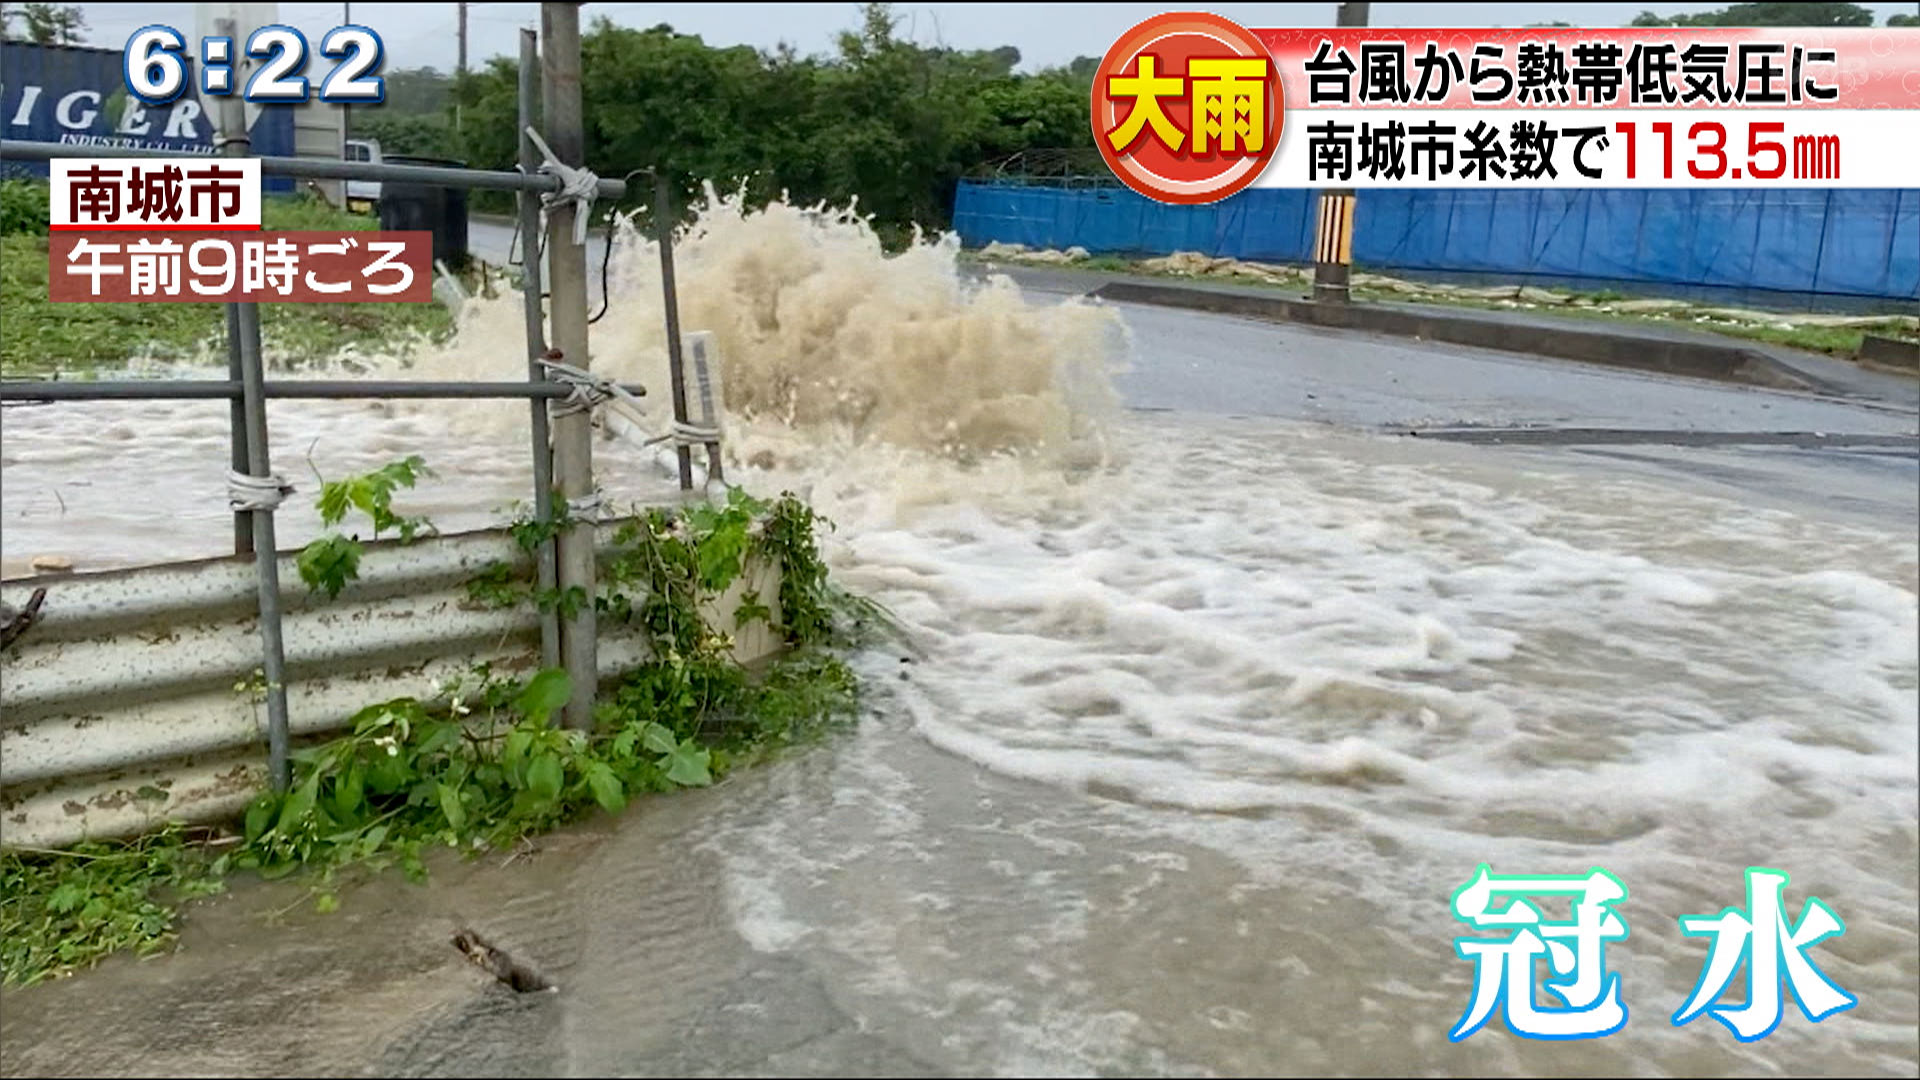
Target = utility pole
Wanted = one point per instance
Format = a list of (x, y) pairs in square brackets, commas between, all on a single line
[(346, 110), (460, 64), (572, 427), (1333, 239)]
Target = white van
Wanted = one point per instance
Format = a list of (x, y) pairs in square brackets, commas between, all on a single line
[(363, 196)]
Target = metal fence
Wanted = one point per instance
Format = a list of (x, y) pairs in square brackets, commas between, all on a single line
[(135, 700), (560, 390)]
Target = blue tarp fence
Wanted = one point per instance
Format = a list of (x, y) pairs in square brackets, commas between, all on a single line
[(1853, 242)]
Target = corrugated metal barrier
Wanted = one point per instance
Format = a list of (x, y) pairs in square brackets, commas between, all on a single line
[(121, 700), (1843, 242)]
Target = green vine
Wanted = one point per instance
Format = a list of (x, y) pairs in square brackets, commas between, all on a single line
[(481, 765), (330, 562)]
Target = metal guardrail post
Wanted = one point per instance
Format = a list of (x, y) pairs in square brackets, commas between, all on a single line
[(572, 427), (532, 287), (265, 550), (250, 414), (676, 366), (237, 429), (236, 144)]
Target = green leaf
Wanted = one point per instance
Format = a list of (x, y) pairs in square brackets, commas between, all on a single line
[(546, 693), (657, 738), (624, 742), (66, 897), (260, 816), (332, 503), (607, 790), (299, 804), (545, 776), (326, 903), (514, 757), (389, 773), (349, 791), (451, 807), (687, 766), (437, 736), (327, 564)]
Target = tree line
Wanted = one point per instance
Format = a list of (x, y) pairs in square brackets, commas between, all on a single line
[(895, 123)]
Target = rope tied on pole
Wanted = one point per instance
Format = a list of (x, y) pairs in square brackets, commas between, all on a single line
[(688, 433), (590, 391), (579, 186), (245, 492), (584, 508)]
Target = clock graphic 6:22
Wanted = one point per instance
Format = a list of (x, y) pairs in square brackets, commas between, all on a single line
[(155, 66)]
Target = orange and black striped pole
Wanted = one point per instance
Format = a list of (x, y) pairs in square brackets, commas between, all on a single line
[(1333, 240), (1333, 247)]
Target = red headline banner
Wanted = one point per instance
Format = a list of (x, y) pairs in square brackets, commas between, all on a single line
[(322, 266), (1585, 67)]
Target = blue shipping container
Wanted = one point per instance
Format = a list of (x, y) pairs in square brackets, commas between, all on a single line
[(78, 97)]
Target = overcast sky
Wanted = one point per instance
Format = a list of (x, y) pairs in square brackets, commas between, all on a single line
[(418, 35)]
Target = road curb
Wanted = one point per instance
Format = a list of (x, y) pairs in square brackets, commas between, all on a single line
[(1890, 353), (1641, 352)]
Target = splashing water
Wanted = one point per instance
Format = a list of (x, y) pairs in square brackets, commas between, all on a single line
[(824, 337)]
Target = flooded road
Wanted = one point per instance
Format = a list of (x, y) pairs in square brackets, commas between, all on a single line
[(1192, 741)]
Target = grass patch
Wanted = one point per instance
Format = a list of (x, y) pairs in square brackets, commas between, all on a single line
[(1838, 341), (1843, 342), (482, 764), (40, 338), (66, 910)]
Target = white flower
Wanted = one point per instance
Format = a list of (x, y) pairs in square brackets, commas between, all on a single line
[(459, 708)]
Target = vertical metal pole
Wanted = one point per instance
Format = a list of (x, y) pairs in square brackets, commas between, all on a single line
[(234, 143), (265, 558), (676, 368), (460, 65), (243, 355), (572, 428), (346, 110), (237, 430), (532, 284), (1333, 252)]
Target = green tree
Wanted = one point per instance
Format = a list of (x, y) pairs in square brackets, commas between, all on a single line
[(1903, 20), (419, 91), (1768, 14), (882, 119), (47, 24)]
